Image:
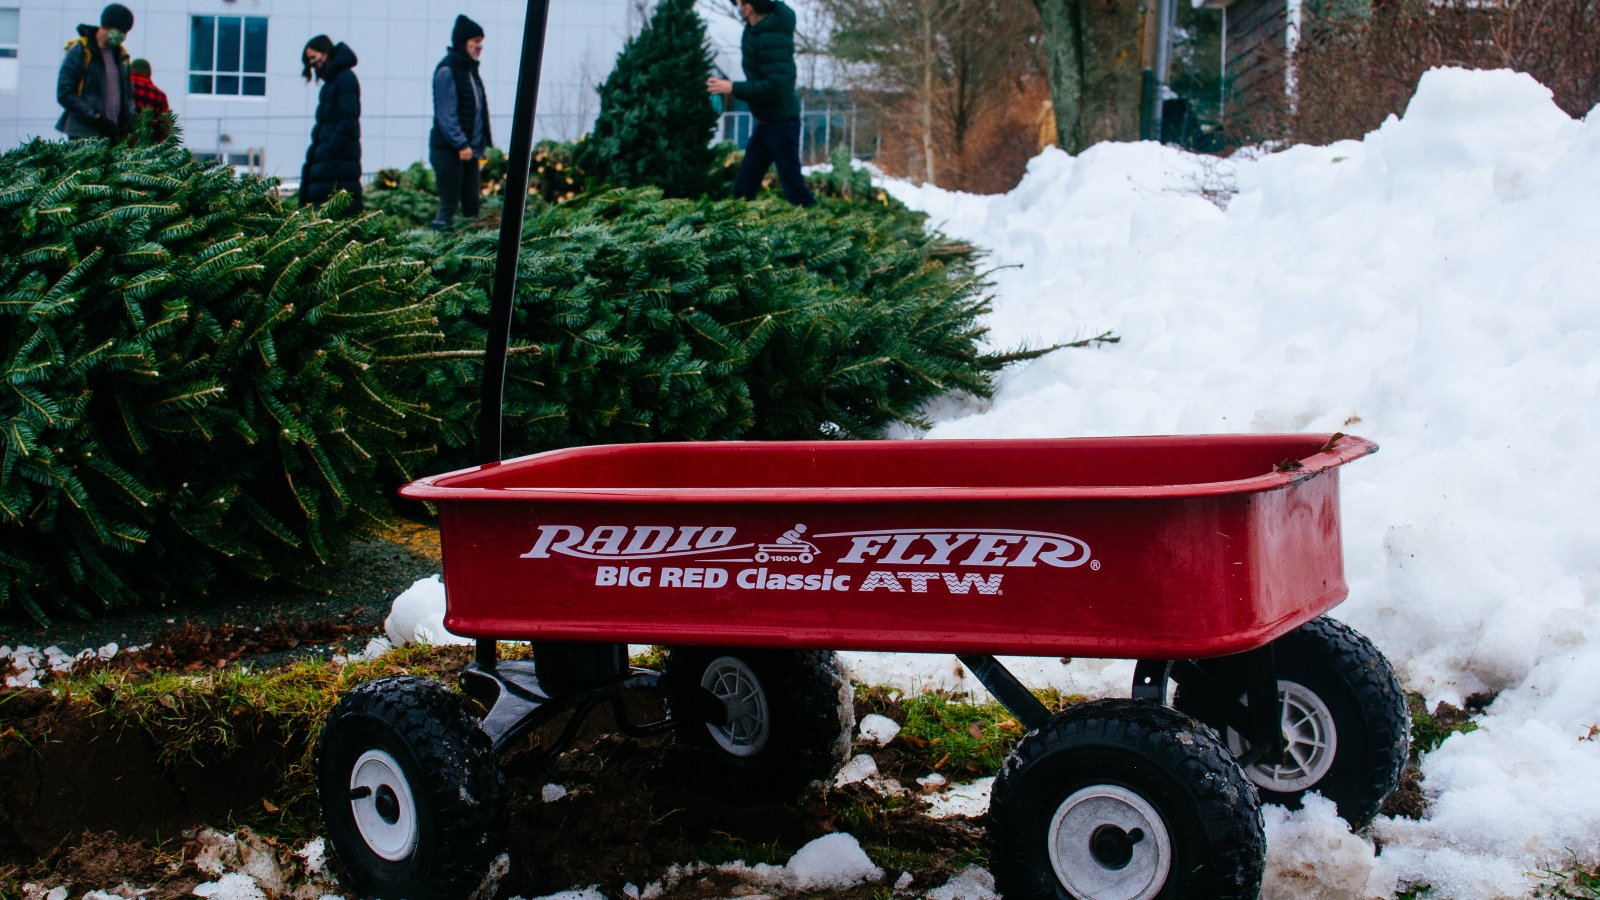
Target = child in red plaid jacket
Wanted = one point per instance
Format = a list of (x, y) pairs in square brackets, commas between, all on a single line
[(145, 93)]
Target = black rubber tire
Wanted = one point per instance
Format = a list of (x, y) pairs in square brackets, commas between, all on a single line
[(811, 709), (1174, 763), (1370, 717), (450, 767)]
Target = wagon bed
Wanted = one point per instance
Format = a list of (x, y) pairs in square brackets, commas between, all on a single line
[(1145, 547)]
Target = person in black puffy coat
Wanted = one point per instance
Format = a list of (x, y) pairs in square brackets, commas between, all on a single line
[(333, 161)]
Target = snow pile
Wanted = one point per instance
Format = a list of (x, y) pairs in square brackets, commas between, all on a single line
[(972, 883), (1433, 287), (879, 730), (1311, 855), (860, 767), (417, 616), (232, 886), (246, 867), (960, 799), (24, 666), (592, 892), (831, 862), (918, 673)]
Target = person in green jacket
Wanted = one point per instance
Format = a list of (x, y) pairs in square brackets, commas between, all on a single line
[(767, 51)]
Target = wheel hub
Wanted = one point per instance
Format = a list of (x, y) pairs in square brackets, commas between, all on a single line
[(382, 805), (1108, 843), (1112, 847), (1310, 743), (749, 721)]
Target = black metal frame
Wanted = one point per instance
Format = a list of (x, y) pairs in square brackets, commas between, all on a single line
[(1212, 696), (580, 677), (577, 678)]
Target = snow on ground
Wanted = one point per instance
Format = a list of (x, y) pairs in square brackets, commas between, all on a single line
[(1434, 287)]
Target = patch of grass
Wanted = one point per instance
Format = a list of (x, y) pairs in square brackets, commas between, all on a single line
[(1429, 730), (944, 732), (727, 848), (889, 858), (1574, 881), (202, 717), (970, 856), (653, 658), (954, 737)]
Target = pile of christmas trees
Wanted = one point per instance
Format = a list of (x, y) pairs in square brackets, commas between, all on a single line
[(203, 385), (195, 379), (645, 318)]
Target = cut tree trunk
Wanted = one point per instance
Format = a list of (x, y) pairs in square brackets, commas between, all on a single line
[(1092, 51), (927, 89)]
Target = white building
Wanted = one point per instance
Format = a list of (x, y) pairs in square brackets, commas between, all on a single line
[(231, 68)]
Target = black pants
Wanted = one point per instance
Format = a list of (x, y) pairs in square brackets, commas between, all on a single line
[(774, 143), (459, 181)]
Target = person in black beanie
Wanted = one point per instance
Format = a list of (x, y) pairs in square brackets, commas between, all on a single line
[(460, 134), (94, 86)]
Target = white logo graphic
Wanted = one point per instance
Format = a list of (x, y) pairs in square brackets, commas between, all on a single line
[(647, 542), (789, 548), (1012, 548), (935, 547)]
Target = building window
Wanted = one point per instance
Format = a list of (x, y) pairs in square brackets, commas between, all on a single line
[(8, 48), (228, 55)]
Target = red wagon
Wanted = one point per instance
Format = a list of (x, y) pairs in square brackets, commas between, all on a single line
[(1209, 559)]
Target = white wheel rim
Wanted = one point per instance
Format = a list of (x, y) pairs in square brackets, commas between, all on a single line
[(387, 793), (1087, 871), (749, 723), (1311, 742)]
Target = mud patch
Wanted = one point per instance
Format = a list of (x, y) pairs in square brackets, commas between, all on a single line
[(634, 808), (70, 769)]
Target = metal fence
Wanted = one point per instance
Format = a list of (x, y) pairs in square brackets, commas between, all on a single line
[(821, 132)]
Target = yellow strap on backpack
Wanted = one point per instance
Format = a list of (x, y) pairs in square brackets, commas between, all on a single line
[(88, 57)]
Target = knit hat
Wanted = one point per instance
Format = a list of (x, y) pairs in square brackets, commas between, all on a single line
[(118, 17), (465, 30)]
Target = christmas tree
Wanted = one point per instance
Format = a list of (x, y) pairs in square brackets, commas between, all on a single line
[(642, 318), (656, 119), (197, 378)]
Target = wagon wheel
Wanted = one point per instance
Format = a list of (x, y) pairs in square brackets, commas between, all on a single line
[(790, 713), (411, 796), (1121, 800), (1344, 719)]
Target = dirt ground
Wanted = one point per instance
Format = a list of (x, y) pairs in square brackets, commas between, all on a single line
[(363, 588), (99, 810)]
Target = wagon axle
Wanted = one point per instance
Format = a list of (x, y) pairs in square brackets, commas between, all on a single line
[(522, 696)]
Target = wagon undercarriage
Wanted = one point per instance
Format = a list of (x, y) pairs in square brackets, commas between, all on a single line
[(580, 677)]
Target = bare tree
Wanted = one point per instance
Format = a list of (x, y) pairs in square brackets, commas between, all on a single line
[(951, 61), (1093, 48)]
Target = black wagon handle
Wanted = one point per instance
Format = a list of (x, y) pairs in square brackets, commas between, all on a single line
[(503, 294)]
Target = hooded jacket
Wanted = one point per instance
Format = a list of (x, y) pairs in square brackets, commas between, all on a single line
[(81, 87), (333, 160), (767, 54)]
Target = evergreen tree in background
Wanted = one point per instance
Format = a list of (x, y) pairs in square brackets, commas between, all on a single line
[(656, 118)]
